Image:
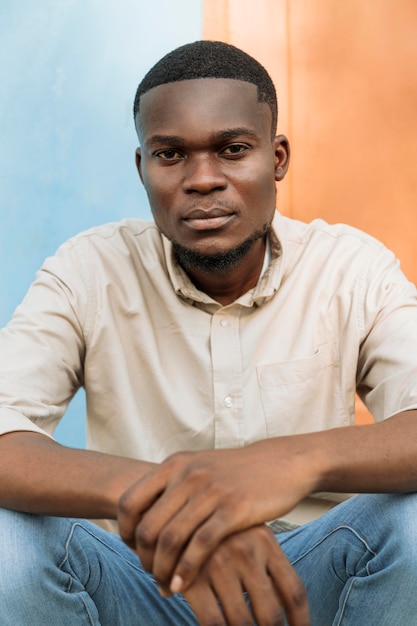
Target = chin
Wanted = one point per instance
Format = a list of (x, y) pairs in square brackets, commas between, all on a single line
[(213, 260)]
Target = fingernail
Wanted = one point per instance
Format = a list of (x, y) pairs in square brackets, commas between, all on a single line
[(176, 584)]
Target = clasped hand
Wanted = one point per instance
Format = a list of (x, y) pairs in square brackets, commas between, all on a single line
[(181, 512)]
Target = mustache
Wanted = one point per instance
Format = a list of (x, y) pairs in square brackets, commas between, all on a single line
[(209, 204)]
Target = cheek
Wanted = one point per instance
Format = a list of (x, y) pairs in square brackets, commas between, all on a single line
[(154, 191), (160, 187), (259, 188)]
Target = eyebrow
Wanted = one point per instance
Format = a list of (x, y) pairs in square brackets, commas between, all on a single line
[(221, 135), (232, 133), (166, 139)]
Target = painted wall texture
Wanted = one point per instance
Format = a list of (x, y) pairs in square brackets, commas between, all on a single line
[(347, 84), (69, 72), (346, 78)]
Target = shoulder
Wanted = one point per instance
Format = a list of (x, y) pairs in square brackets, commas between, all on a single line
[(125, 239), (118, 234), (336, 246), (107, 253), (296, 232)]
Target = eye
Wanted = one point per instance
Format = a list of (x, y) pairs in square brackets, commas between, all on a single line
[(169, 154), (235, 149)]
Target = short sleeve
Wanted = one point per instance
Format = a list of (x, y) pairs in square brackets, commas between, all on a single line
[(387, 364), (42, 348)]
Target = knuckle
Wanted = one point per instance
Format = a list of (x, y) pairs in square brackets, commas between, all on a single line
[(197, 473), (241, 549), (187, 568), (125, 505), (215, 530), (204, 538), (177, 459), (144, 537), (168, 540)]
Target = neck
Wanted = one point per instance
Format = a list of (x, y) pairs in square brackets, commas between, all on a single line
[(226, 285)]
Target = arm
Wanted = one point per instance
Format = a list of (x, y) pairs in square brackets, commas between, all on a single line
[(187, 506), (38, 475), (43, 351)]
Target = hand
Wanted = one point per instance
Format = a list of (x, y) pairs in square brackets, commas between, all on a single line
[(177, 514), (251, 561)]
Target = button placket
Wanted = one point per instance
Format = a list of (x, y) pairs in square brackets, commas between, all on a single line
[(227, 379)]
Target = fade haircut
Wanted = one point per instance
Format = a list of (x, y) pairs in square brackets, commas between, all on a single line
[(210, 59)]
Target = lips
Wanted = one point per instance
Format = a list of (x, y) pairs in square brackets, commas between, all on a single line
[(208, 219)]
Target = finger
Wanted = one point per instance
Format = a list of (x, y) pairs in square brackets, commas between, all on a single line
[(264, 600), (146, 558), (202, 544), (135, 501), (229, 591), (240, 565), (174, 537), (289, 587), (204, 604), (159, 494)]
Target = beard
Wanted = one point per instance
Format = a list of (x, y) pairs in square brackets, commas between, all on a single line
[(218, 262)]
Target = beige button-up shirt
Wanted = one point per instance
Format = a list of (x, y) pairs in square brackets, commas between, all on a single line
[(167, 368)]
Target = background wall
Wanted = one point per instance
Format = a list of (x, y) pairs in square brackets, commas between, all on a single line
[(347, 85), (69, 72)]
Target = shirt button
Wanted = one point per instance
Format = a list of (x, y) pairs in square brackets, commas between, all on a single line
[(224, 322), (227, 402)]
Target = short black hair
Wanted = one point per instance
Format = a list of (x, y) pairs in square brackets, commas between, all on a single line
[(210, 59)]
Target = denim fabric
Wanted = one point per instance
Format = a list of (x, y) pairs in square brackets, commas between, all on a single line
[(358, 563)]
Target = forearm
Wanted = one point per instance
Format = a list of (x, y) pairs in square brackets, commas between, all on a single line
[(377, 458), (38, 475), (380, 457)]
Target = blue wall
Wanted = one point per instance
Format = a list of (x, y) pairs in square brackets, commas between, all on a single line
[(69, 71)]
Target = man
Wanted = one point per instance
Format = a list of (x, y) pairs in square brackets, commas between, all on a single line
[(236, 338)]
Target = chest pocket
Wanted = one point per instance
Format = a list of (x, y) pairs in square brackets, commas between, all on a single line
[(303, 395)]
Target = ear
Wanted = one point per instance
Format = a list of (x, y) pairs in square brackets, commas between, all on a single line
[(138, 158), (282, 156)]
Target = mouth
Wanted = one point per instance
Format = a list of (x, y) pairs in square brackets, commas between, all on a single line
[(208, 219)]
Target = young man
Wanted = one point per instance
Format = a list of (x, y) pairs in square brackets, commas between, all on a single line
[(236, 338)]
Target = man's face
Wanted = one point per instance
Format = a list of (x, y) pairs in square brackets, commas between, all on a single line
[(208, 162)]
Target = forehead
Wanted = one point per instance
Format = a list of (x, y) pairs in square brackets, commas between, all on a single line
[(206, 105)]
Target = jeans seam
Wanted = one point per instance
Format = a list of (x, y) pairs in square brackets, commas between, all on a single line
[(65, 559), (331, 532), (342, 608), (87, 610), (103, 543)]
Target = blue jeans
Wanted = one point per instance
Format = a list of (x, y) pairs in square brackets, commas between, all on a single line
[(358, 563)]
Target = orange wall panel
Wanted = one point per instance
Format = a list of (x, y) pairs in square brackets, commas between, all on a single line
[(347, 85), (346, 77)]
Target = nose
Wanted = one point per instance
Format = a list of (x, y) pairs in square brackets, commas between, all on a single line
[(203, 174)]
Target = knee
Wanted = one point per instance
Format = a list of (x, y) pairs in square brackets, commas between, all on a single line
[(29, 545), (391, 522)]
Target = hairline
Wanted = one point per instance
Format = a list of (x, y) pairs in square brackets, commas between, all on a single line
[(260, 99)]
